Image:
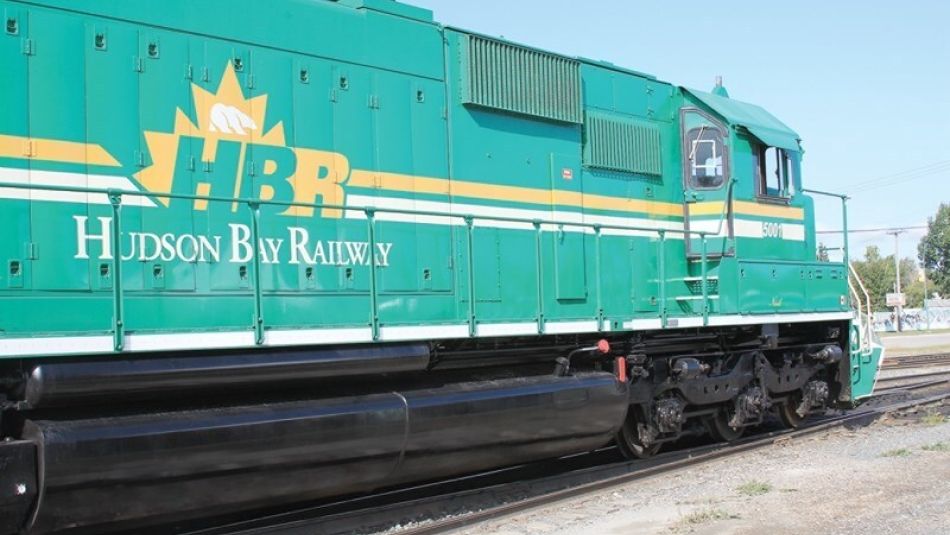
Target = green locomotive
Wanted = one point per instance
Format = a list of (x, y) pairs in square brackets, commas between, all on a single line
[(259, 253)]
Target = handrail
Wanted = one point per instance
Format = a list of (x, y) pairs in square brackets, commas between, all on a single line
[(704, 251), (373, 290), (865, 320), (867, 300), (258, 291), (538, 269), (726, 206), (704, 255), (468, 220), (825, 193), (864, 343), (118, 312), (846, 252)]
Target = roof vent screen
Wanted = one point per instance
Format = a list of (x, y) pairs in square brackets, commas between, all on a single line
[(520, 80), (622, 144)]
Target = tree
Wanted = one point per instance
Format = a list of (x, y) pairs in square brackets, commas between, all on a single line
[(877, 273), (915, 293), (934, 250)]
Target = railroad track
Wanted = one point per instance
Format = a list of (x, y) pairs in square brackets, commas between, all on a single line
[(916, 361), (467, 501), (916, 381)]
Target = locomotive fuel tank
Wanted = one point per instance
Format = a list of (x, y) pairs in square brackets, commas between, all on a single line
[(136, 469)]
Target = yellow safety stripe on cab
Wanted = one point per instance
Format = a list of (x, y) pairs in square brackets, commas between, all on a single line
[(749, 209)]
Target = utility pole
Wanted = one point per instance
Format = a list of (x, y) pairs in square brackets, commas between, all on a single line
[(897, 265)]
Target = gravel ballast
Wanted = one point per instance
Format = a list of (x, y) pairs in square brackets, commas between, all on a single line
[(892, 477)]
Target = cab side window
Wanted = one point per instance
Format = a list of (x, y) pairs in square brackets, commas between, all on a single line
[(773, 173), (706, 157)]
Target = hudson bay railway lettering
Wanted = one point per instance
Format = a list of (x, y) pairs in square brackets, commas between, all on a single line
[(297, 247)]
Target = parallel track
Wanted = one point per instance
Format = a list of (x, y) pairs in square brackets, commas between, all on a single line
[(916, 376), (916, 361), (917, 381), (526, 487)]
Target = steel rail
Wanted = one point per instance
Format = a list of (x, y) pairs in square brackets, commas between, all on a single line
[(911, 377), (912, 386), (916, 361), (924, 381)]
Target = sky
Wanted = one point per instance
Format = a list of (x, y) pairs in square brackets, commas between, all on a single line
[(866, 84)]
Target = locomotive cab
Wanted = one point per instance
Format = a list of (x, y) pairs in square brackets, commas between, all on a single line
[(735, 152)]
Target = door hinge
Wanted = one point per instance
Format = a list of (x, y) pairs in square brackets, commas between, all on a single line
[(29, 48)]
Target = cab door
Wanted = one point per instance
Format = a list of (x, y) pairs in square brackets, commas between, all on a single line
[(706, 186)]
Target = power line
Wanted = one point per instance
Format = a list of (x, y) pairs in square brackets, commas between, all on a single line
[(904, 180), (870, 230), (900, 174), (901, 177), (940, 163)]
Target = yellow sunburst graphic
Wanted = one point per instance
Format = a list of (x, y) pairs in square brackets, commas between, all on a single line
[(223, 115)]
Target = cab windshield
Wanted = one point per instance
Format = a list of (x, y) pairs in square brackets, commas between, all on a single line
[(706, 159)]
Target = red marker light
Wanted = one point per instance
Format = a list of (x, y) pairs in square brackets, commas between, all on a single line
[(603, 347)]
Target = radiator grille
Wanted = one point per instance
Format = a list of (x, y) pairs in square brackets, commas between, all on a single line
[(696, 287), (622, 144), (514, 79)]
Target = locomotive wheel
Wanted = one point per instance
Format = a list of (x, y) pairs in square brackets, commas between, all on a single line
[(787, 411), (719, 429), (628, 439)]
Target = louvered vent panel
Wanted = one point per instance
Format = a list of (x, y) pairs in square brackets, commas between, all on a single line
[(520, 80), (622, 144)]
